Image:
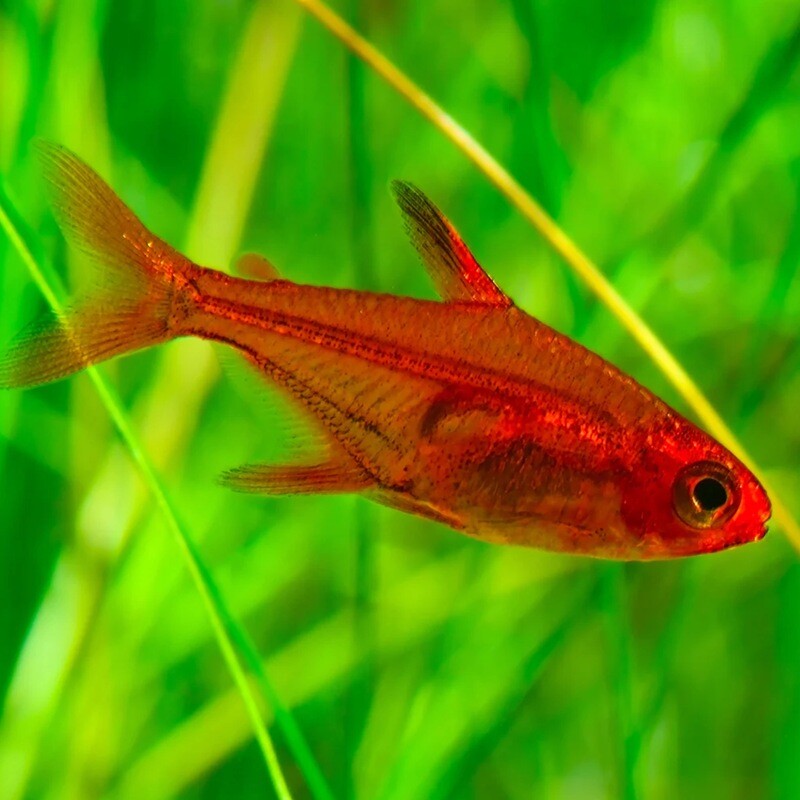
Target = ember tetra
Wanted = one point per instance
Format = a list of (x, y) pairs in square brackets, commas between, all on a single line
[(467, 411)]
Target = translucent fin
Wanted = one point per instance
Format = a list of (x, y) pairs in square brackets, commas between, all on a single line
[(56, 347), (131, 311), (256, 268), (331, 478), (410, 505), (295, 435), (97, 222), (452, 267)]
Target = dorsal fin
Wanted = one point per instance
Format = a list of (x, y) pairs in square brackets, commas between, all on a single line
[(452, 267)]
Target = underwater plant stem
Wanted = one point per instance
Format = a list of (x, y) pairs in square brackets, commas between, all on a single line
[(561, 243), (364, 255), (613, 591), (222, 622)]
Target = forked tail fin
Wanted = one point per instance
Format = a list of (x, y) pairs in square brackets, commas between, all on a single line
[(133, 307)]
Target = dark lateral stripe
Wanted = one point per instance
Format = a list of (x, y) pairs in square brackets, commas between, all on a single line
[(441, 369)]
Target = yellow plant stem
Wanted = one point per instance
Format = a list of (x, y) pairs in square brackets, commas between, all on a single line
[(556, 238)]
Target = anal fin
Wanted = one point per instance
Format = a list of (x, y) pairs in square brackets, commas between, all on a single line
[(333, 477)]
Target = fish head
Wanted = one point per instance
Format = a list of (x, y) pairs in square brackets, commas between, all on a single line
[(688, 495)]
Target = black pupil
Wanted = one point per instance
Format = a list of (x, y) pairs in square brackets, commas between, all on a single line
[(710, 494)]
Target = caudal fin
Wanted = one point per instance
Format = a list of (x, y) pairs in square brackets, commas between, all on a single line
[(132, 309)]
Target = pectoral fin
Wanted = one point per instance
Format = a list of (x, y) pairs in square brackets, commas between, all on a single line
[(452, 267), (333, 477)]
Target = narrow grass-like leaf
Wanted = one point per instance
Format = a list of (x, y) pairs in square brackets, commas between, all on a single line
[(222, 202), (461, 766), (775, 69), (68, 92), (362, 242), (613, 601), (226, 630), (319, 645), (664, 659), (557, 239)]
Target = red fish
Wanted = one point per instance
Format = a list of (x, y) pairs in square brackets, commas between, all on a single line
[(467, 411)]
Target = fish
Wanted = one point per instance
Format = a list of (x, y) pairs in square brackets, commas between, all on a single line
[(464, 410)]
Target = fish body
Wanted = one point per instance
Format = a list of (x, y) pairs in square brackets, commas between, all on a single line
[(468, 411)]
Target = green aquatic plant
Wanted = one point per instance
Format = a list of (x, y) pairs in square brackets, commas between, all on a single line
[(402, 661)]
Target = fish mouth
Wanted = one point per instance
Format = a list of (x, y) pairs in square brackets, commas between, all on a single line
[(756, 536), (736, 541)]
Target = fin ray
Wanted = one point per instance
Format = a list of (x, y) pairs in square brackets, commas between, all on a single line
[(333, 477), (452, 267), (131, 312)]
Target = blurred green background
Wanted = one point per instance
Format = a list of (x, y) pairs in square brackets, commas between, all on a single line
[(663, 136)]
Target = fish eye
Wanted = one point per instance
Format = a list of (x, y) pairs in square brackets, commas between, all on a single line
[(709, 494), (705, 494)]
